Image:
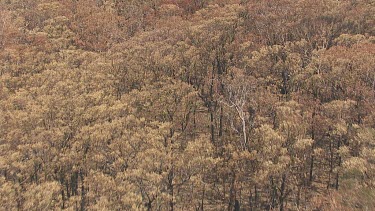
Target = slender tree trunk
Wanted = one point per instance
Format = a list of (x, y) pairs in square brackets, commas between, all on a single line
[(282, 192), (63, 199), (83, 193), (237, 205), (256, 197), (194, 124), (62, 191), (67, 189), (232, 194), (244, 132), (211, 109), (74, 183), (241, 114), (273, 194), (221, 122), (171, 189), (312, 148), (330, 165), (36, 168), (311, 169), (212, 125), (149, 205), (251, 201), (339, 164), (298, 197), (202, 199)]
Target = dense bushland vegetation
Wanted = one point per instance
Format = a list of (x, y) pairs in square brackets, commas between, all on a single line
[(187, 105)]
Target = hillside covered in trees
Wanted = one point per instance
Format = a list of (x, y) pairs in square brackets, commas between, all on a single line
[(187, 105)]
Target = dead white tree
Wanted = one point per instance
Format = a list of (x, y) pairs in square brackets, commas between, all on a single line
[(237, 92)]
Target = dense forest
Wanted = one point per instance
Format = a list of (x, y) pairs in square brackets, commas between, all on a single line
[(187, 105)]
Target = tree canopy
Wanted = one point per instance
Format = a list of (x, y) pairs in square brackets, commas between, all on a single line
[(187, 105)]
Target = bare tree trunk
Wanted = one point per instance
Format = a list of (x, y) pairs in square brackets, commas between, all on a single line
[(311, 169), (282, 192), (330, 165), (212, 125), (62, 182), (194, 124), (83, 193), (237, 205), (171, 188), (232, 193), (298, 196), (221, 122), (211, 106), (273, 194), (312, 148), (202, 199), (256, 197), (339, 164), (244, 132)]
